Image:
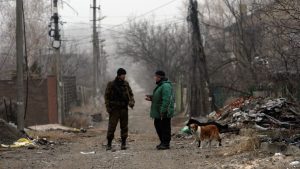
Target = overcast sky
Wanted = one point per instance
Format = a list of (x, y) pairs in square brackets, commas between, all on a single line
[(78, 25), (117, 11)]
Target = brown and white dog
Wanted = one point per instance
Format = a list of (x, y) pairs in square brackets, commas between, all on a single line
[(205, 133)]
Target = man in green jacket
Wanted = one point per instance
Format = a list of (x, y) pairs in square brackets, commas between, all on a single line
[(118, 96), (162, 109)]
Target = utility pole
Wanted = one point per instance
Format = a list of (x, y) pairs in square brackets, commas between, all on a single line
[(56, 44), (101, 56), (199, 81), (20, 59), (99, 44), (96, 53)]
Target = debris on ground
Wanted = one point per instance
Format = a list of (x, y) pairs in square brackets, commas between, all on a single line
[(87, 153), (276, 119), (22, 142), (8, 133), (295, 164), (29, 142), (185, 130), (259, 113), (44, 141), (10, 137)]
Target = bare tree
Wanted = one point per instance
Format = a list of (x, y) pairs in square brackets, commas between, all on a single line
[(251, 44), (280, 20), (158, 46), (36, 21), (199, 80)]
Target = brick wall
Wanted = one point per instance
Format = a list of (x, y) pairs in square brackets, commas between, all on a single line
[(42, 102), (37, 112)]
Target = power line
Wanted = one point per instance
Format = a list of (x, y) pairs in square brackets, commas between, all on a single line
[(146, 13), (111, 28), (77, 22), (106, 16), (73, 29), (167, 21), (7, 0)]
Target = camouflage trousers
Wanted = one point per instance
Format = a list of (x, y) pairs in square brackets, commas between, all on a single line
[(114, 117)]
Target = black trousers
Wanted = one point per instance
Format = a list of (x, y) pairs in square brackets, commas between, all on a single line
[(163, 129), (114, 117)]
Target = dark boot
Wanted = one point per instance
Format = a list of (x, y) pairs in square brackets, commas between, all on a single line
[(158, 145), (163, 147), (123, 145), (108, 146)]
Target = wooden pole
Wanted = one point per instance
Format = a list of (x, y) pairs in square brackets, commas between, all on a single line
[(20, 62)]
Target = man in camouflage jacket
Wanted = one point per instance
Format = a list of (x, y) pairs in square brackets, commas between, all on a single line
[(118, 96)]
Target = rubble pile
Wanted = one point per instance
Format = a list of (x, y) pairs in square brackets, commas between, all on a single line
[(260, 113), (10, 137), (8, 134), (29, 142)]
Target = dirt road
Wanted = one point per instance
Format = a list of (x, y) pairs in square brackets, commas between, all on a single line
[(141, 153)]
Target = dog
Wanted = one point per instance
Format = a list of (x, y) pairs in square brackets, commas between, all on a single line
[(222, 128), (205, 133)]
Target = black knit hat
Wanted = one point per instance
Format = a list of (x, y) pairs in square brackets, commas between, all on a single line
[(121, 71), (160, 73)]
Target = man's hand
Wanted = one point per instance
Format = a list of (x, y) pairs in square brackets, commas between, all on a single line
[(163, 115), (148, 98), (131, 104)]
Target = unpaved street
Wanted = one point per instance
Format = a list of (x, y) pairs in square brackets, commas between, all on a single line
[(141, 153)]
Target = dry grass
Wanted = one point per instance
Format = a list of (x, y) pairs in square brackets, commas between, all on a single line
[(247, 144), (78, 121), (80, 117), (248, 141), (89, 109)]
